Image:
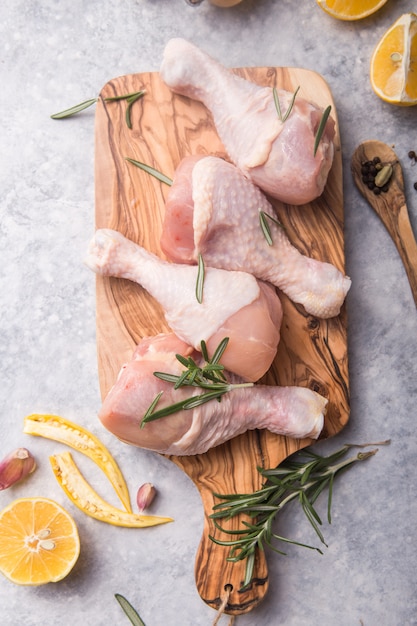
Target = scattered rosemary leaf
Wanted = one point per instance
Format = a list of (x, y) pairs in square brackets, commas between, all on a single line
[(265, 227), (129, 610), (321, 127), (74, 110), (284, 117), (151, 170), (200, 279), (276, 101), (130, 101), (135, 95), (263, 220)]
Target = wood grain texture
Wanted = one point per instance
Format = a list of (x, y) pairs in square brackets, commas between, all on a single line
[(312, 352), (391, 206)]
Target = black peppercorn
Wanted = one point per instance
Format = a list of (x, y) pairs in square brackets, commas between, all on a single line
[(370, 170)]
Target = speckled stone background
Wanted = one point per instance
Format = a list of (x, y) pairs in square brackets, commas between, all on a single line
[(56, 53)]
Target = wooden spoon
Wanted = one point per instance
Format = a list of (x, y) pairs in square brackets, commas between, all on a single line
[(390, 205)]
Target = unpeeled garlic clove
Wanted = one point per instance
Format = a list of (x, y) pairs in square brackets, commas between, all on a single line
[(144, 498), (16, 466)]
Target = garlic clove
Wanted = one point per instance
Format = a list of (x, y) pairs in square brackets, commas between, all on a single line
[(16, 466), (144, 498)]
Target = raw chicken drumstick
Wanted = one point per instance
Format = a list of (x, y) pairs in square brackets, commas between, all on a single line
[(234, 304), (214, 210), (277, 156), (292, 411)]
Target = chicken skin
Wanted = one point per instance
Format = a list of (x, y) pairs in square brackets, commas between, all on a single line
[(278, 156)]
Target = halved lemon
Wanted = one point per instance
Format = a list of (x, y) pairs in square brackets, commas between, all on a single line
[(393, 71), (350, 9), (39, 541)]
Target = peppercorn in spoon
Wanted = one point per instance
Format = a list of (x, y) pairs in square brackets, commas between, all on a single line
[(378, 175)]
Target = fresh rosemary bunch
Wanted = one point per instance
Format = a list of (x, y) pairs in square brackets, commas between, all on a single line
[(303, 477), (209, 377)]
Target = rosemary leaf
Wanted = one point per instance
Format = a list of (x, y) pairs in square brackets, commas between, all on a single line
[(151, 170), (130, 97), (128, 116), (168, 378), (329, 500), (182, 405), (291, 104), (284, 117), (184, 360), (293, 542), (204, 351), (131, 100), (74, 110), (202, 399), (263, 220), (265, 228), (276, 101), (151, 415), (129, 610), (321, 128), (151, 408), (200, 279), (248, 576), (218, 353)]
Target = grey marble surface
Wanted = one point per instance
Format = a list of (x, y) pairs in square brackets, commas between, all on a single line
[(57, 53)]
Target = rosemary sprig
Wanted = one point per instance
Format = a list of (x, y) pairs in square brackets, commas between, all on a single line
[(209, 377), (302, 477), (321, 128), (151, 170), (130, 98), (284, 117), (131, 613), (263, 220)]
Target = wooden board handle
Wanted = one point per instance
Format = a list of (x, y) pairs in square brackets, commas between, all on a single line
[(224, 474), (230, 576)]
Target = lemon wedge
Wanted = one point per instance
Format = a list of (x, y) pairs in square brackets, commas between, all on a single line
[(81, 493), (393, 70), (39, 541), (80, 439), (350, 9)]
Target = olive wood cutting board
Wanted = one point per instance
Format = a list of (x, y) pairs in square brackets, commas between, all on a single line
[(312, 352)]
